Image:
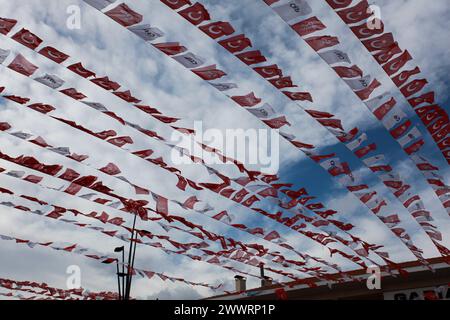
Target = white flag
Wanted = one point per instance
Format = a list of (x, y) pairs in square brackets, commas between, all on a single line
[(373, 160), (3, 55), (374, 103), (146, 32), (22, 135), (99, 4), (51, 81), (335, 56), (330, 163), (357, 142), (293, 9), (266, 111), (411, 136), (189, 60), (96, 105), (390, 177), (359, 84), (61, 150), (393, 118), (288, 136), (224, 86)]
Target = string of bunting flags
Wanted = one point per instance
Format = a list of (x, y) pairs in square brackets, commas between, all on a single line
[(44, 289), (113, 170), (265, 192), (126, 17), (297, 210), (122, 13), (394, 61), (240, 256), (389, 116), (102, 258)]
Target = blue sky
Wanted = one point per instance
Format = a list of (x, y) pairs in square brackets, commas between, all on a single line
[(111, 50)]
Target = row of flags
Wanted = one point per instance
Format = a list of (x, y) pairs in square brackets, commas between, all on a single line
[(212, 187), (128, 18), (363, 87)]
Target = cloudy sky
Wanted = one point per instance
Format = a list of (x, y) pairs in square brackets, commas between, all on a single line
[(102, 45)]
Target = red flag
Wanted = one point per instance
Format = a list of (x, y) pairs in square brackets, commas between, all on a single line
[(103, 217), (365, 150), (251, 57), (69, 175), (383, 110), (400, 130), (80, 70), (249, 100), (117, 221), (27, 38), (111, 169), (299, 96), (269, 192), (319, 114), (272, 236), (332, 123), (282, 82), (404, 76), (126, 95), (365, 93), (308, 26), (42, 108), (22, 65), (33, 179), (236, 43), (176, 4), (358, 188), (239, 196), (120, 141), (393, 66), (295, 194), (123, 15), (321, 42), (106, 84), (71, 92), (414, 147), (387, 53), (277, 123), (53, 54), (302, 145), (170, 48), (269, 71), (6, 25), (363, 31), (195, 14), (19, 100), (413, 87), (190, 202), (379, 43), (215, 187), (209, 73), (217, 29), (349, 72), (355, 14), (425, 98), (270, 2), (162, 205), (339, 4), (250, 201)]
